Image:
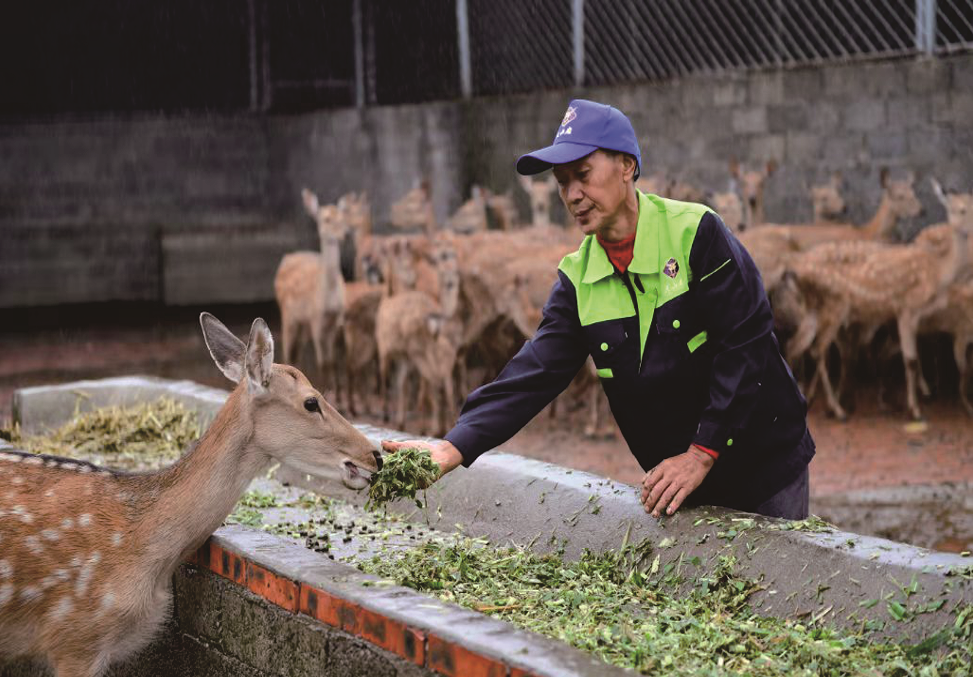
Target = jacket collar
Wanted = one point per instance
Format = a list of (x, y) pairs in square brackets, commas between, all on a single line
[(645, 259)]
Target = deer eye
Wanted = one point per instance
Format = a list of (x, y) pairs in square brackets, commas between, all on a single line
[(311, 404)]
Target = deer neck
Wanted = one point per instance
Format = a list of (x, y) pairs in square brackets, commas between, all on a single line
[(956, 258), (882, 222), (192, 497)]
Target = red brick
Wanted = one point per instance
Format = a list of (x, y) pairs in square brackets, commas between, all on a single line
[(517, 672), (455, 661), (204, 555), (319, 605), (275, 589), (393, 636), (349, 616), (228, 564)]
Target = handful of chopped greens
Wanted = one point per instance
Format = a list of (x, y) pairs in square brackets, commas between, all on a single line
[(402, 475)]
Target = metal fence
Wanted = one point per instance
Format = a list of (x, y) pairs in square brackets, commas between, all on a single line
[(59, 56), (516, 45)]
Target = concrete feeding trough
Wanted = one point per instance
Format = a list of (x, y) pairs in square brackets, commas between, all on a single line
[(252, 603)]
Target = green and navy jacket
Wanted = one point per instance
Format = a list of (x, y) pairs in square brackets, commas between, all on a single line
[(684, 345)]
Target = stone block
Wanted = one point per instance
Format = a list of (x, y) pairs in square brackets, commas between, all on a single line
[(804, 84), (768, 88), (842, 82), (864, 115), (887, 145), (842, 149), (925, 76), (767, 147), (787, 117), (731, 93), (908, 113), (749, 120), (801, 147), (961, 73), (823, 116)]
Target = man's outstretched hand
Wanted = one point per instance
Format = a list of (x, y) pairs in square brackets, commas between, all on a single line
[(442, 452), (670, 482)]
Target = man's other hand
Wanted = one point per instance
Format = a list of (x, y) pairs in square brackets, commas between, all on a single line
[(670, 482), (442, 452)]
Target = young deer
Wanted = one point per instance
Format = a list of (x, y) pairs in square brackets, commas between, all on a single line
[(88, 554), (540, 192), (310, 291)]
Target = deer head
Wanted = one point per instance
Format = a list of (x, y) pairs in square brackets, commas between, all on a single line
[(330, 219), (730, 209), (901, 195), (959, 206), (291, 421), (826, 199)]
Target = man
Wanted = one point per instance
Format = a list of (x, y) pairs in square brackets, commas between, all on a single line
[(673, 311)]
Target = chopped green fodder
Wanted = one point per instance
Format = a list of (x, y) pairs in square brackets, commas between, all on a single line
[(402, 475), (148, 435), (610, 606)]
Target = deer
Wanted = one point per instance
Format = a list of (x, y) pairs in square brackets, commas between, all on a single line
[(540, 192), (471, 217), (504, 210), (751, 184), (310, 291), (414, 330), (826, 201), (870, 283), (88, 553), (414, 210)]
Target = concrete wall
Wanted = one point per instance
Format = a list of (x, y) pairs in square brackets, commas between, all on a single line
[(199, 209)]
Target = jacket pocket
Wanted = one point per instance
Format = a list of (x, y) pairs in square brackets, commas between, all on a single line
[(606, 344)]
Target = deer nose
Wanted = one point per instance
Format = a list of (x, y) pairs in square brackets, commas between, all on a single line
[(378, 459)]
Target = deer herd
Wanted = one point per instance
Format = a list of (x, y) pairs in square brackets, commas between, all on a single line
[(430, 312)]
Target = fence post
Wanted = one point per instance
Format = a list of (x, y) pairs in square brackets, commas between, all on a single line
[(359, 54), (577, 21), (926, 26), (463, 38)]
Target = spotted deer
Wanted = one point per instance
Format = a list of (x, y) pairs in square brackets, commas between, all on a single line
[(540, 192), (869, 284), (414, 210), (87, 554), (310, 291)]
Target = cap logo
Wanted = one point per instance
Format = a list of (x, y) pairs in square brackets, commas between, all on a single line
[(569, 115), (671, 268)]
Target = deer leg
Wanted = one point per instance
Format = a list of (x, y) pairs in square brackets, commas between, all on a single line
[(383, 387), (960, 344), (448, 405), (910, 358), (75, 666), (401, 373), (822, 372)]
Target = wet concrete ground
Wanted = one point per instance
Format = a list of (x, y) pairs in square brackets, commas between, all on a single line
[(875, 474)]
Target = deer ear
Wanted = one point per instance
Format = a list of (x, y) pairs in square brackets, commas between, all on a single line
[(938, 190), (227, 350), (525, 182), (883, 177), (310, 202), (260, 356)]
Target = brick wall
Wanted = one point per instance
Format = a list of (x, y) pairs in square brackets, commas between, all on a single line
[(95, 210)]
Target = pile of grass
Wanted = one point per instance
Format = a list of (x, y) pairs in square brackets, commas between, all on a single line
[(403, 475), (612, 606), (148, 435)]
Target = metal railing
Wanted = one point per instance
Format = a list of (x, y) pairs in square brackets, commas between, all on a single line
[(517, 45)]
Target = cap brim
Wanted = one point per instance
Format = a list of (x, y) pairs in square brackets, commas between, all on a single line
[(557, 154)]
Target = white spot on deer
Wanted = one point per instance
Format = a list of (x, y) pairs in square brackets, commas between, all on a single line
[(69, 466), (6, 569), (51, 464), (13, 458), (116, 539), (85, 469), (84, 520), (33, 544), (88, 490), (34, 460), (6, 593), (67, 523), (61, 575), (48, 582), (50, 535), (49, 493), (17, 480), (63, 607), (30, 593), (21, 512), (107, 602)]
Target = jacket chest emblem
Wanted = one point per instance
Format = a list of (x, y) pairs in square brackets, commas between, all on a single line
[(671, 268)]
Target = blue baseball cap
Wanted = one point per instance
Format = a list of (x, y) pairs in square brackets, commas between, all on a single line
[(586, 127)]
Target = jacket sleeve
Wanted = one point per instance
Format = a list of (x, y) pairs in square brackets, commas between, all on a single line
[(737, 316), (543, 367)]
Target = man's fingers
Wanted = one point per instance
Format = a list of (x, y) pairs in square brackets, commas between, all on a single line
[(390, 445), (655, 494), (676, 503), (667, 496)]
